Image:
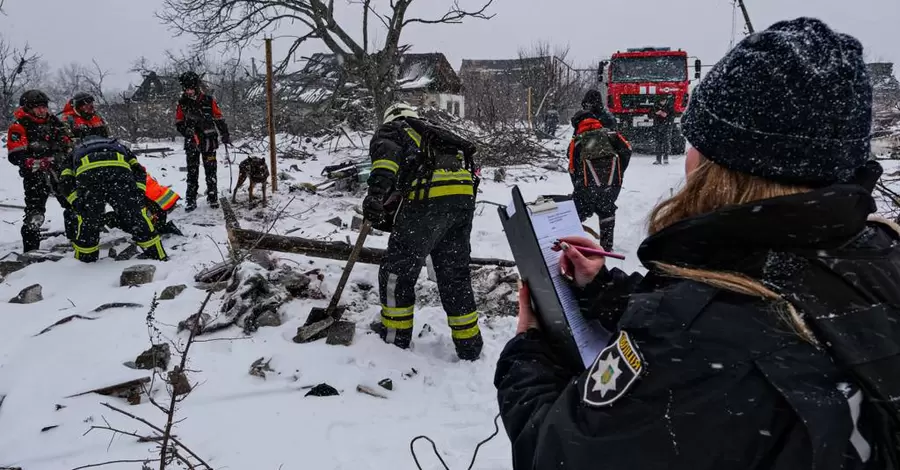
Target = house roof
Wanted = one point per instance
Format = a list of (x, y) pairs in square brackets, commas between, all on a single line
[(417, 71), (505, 65)]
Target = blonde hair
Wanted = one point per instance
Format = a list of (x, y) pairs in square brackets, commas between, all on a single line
[(712, 187)]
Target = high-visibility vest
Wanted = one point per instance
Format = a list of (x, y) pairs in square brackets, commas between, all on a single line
[(161, 195)]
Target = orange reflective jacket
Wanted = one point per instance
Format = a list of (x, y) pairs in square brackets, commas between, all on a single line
[(161, 195)]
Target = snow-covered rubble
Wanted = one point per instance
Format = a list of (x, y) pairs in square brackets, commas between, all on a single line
[(241, 421)]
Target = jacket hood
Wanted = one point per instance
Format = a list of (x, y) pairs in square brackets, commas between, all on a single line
[(20, 113), (735, 237), (68, 108)]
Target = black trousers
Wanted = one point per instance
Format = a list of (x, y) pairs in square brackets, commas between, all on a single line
[(422, 229), (194, 157), (663, 141), (37, 191), (116, 187)]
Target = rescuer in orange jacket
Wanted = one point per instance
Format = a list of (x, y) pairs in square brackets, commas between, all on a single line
[(598, 157), (81, 118)]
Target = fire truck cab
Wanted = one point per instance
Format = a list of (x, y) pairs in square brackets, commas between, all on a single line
[(636, 80)]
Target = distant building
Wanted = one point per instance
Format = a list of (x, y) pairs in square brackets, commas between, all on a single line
[(156, 88), (885, 85)]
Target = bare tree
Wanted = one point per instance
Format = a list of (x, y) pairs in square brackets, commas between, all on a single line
[(237, 23), (74, 78), (15, 65)]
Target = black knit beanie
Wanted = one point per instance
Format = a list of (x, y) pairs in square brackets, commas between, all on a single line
[(791, 104)]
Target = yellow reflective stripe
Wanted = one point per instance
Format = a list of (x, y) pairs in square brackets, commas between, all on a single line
[(142, 186), (414, 136), (154, 242), (465, 334), (386, 165), (86, 251), (78, 230), (461, 320), (133, 161), (167, 199), (71, 197), (440, 191), (149, 221), (67, 172), (463, 176), (396, 311), (397, 324), (93, 165)]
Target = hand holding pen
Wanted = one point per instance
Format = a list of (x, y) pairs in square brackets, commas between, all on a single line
[(581, 259)]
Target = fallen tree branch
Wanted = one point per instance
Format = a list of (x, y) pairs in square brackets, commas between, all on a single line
[(323, 249), (157, 429), (103, 464)]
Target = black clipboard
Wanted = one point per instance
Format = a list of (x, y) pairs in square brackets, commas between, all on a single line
[(533, 270)]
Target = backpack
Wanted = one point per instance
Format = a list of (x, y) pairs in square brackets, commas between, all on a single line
[(852, 305), (597, 145)]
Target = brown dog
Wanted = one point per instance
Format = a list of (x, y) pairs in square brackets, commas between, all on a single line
[(254, 169)]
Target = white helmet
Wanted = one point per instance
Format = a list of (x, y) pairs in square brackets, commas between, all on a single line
[(399, 110)]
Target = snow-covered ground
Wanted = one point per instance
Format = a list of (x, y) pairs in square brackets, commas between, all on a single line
[(235, 420)]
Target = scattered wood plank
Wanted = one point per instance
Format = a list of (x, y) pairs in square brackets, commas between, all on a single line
[(130, 390), (65, 320), (116, 305), (245, 238)]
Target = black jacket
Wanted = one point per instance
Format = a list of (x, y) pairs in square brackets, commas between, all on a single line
[(720, 380), (666, 106)]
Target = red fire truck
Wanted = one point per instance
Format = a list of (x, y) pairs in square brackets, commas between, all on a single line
[(637, 78)]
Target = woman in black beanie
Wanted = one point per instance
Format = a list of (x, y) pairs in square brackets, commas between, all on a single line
[(760, 337)]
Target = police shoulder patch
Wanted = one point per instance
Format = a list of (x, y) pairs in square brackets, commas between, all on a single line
[(614, 372)]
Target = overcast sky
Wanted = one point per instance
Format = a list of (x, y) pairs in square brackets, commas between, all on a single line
[(115, 32)]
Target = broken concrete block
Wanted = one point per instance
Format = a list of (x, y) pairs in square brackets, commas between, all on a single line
[(322, 390), (356, 223), (28, 295), (268, 318), (137, 275), (157, 356), (336, 222), (9, 267), (171, 292), (386, 384), (341, 333)]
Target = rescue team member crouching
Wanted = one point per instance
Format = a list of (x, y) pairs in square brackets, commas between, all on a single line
[(81, 118), (199, 119), (427, 171), (763, 272), (103, 171), (37, 142), (598, 158), (160, 202)]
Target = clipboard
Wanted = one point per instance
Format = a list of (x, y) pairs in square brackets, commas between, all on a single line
[(533, 269)]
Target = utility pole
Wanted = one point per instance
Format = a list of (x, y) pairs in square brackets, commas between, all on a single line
[(270, 114), (746, 17)]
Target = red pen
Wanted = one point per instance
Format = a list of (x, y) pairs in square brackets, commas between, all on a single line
[(592, 251)]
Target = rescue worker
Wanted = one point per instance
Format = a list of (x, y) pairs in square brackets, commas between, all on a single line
[(598, 158), (721, 356), (593, 102), (37, 142), (102, 171), (81, 118), (663, 115), (160, 202), (430, 170), (199, 119)]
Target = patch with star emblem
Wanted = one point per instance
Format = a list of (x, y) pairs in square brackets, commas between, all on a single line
[(613, 373)]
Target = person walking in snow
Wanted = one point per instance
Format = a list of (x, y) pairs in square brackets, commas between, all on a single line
[(663, 115), (82, 119), (36, 143), (102, 171), (199, 119), (598, 157), (422, 188), (771, 298)]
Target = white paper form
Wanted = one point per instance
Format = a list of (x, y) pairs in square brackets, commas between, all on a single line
[(549, 226)]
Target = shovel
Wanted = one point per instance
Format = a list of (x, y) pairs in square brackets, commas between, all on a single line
[(321, 319)]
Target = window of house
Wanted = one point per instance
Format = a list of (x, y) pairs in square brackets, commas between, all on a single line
[(450, 107), (456, 108)]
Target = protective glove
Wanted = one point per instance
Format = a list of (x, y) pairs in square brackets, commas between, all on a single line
[(373, 208), (39, 164)]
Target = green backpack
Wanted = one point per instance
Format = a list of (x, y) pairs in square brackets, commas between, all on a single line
[(596, 145)]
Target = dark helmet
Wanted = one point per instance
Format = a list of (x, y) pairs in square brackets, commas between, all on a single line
[(33, 99), (189, 80), (82, 98), (591, 98)]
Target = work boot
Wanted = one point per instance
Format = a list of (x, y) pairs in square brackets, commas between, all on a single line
[(469, 349), (666, 160), (190, 206), (213, 201), (399, 338)]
